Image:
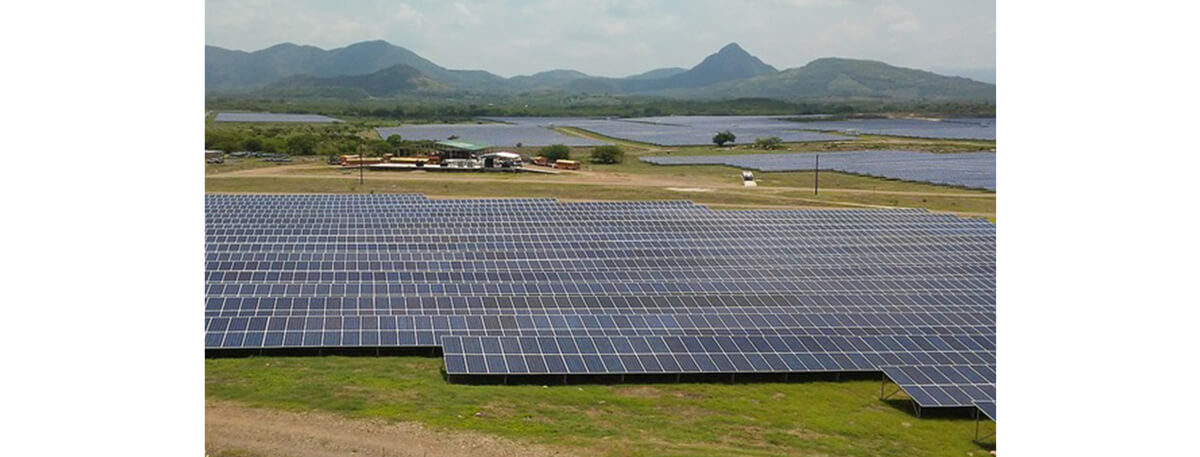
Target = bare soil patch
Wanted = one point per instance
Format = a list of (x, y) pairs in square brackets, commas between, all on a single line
[(231, 428)]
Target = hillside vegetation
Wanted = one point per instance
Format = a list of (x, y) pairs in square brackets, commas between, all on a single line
[(378, 69)]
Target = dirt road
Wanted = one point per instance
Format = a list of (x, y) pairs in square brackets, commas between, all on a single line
[(230, 428)]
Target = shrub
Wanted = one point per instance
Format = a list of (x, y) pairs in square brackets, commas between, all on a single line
[(555, 152), (773, 142), (607, 154)]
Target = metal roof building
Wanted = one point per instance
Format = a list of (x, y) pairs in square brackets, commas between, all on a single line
[(460, 149)]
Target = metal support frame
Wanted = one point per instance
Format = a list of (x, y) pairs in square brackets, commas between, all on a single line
[(883, 384), (883, 395), (978, 439)]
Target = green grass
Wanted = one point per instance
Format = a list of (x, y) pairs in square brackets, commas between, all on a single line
[(812, 418)]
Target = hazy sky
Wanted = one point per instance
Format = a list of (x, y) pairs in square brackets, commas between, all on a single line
[(619, 38)]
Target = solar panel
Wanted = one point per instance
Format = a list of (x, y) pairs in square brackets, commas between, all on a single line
[(968, 169), (504, 135), (949, 385), (699, 130), (539, 287), (988, 408), (675, 134)]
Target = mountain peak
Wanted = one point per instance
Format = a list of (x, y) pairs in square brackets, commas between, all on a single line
[(372, 44), (732, 48), (730, 63)]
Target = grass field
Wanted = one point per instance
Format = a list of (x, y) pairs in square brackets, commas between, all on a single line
[(758, 419)]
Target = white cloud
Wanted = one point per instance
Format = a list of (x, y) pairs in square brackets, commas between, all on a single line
[(406, 14)]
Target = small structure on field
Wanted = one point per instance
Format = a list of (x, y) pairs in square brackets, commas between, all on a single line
[(214, 156), (501, 159), (566, 164), (460, 149)]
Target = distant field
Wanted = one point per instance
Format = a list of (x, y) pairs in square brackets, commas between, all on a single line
[(719, 186), (494, 134), (794, 419)]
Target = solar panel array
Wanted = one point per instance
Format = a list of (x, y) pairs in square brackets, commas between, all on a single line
[(699, 130), (961, 128), (945, 385), (504, 135), (968, 169), (677, 134), (541, 287), (274, 117)]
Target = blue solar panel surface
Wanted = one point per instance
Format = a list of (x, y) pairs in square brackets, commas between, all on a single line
[(274, 117), (988, 408), (968, 169), (648, 130), (538, 286), (946, 385), (505, 135), (699, 130), (962, 128)]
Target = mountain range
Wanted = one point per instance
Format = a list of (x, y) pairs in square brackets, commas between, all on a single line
[(379, 69)]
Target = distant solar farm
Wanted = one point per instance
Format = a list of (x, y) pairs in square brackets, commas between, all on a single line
[(505, 135), (274, 117), (967, 169), (535, 288), (691, 130)]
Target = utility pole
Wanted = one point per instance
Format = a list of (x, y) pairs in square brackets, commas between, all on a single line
[(817, 177)]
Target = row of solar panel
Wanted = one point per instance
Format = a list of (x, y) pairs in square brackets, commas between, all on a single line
[(728, 354), (642, 219), (620, 225), (428, 338), (963, 322), (946, 385), (852, 302), (401, 252), (652, 287), (975, 170), (584, 231), (237, 260), (683, 240), (394, 272)]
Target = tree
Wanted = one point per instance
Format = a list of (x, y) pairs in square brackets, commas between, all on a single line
[(724, 137), (252, 144), (555, 152), (395, 140), (380, 147), (303, 144), (773, 142), (607, 154)]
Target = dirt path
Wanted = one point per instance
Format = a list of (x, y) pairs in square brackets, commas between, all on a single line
[(232, 428)]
